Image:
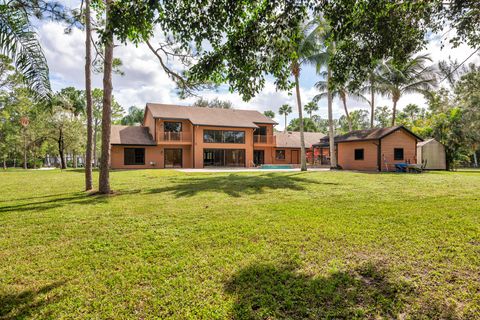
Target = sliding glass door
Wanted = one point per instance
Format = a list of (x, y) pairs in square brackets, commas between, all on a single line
[(173, 158), (224, 157)]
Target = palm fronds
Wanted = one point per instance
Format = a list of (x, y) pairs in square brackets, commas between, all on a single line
[(19, 42), (412, 77)]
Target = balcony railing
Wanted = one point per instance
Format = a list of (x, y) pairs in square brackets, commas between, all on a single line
[(175, 136), (264, 139)]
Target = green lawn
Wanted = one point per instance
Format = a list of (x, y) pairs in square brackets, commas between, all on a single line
[(241, 245)]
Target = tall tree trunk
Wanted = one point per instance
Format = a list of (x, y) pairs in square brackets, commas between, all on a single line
[(104, 183), (25, 165), (475, 160), (372, 101), (74, 154), (285, 129), (303, 159), (88, 96), (331, 131), (394, 113), (34, 156), (61, 150), (4, 163), (95, 131), (344, 100)]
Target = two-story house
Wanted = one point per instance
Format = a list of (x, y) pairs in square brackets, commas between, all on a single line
[(173, 136)]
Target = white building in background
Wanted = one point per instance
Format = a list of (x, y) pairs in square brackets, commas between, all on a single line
[(433, 152)]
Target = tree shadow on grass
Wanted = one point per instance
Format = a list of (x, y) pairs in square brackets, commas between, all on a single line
[(72, 198), (236, 185), (28, 302), (270, 292), (34, 197)]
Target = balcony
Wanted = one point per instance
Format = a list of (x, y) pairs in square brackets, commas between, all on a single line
[(175, 137), (264, 139)]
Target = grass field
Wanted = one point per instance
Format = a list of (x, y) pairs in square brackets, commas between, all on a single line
[(240, 245)]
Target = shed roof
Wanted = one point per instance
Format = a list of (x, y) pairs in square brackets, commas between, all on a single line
[(422, 143), (210, 116), (131, 135), (368, 134), (291, 139)]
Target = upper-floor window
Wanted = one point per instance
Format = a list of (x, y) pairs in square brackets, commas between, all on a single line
[(261, 131), (172, 126), (223, 136), (398, 154)]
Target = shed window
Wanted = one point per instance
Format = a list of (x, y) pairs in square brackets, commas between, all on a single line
[(134, 156), (280, 154), (359, 154), (398, 154)]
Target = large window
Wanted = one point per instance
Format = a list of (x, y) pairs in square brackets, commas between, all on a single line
[(134, 156), (398, 154), (224, 157), (172, 126), (280, 154), (359, 154), (223, 136)]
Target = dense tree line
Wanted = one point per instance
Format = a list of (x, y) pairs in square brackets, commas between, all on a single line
[(37, 133), (250, 40)]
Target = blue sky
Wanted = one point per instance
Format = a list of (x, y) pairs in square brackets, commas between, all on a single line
[(144, 81)]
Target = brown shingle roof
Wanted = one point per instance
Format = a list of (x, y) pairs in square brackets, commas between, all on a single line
[(292, 139), (131, 135), (367, 134), (210, 116)]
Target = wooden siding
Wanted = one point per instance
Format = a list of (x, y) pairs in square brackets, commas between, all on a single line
[(346, 155), (398, 139)]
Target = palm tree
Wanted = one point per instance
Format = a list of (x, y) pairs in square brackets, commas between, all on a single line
[(410, 77), (285, 110), (19, 42), (308, 125), (308, 50), (269, 113), (310, 108), (341, 92), (371, 87), (134, 117), (324, 55), (88, 97), (104, 180)]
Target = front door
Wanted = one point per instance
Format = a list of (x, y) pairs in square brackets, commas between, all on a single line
[(295, 159), (258, 157), (173, 158)]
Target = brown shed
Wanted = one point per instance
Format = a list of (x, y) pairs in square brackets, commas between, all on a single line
[(376, 149)]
